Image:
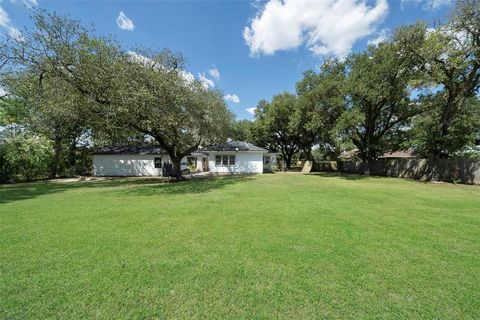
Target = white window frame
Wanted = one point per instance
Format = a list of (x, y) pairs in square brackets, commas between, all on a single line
[(155, 163), (225, 160)]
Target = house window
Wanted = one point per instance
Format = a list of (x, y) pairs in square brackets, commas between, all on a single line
[(266, 160), (225, 160), (157, 162)]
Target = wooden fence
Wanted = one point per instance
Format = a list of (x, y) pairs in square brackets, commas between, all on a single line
[(451, 170)]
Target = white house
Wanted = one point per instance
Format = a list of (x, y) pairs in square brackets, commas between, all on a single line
[(233, 157)]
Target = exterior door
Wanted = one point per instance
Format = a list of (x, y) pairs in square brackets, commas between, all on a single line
[(205, 164)]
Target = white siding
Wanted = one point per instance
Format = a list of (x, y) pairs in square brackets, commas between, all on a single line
[(128, 165), (245, 162)]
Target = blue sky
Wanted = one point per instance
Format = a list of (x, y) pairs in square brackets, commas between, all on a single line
[(257, 48)]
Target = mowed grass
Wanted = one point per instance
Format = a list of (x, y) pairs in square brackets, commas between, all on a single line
[(268, 246)]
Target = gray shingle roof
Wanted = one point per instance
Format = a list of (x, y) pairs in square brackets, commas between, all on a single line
[(154, 149), (235, 146)]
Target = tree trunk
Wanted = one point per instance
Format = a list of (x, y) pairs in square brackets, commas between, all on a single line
[(288, 161), (444, 123), (177, 169), (308, 153), (71, 153), (366, 167), (56, 158)]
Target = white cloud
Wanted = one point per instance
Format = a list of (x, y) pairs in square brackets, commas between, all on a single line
[(214, 73), (427, 4), (251, 110), (382, 36), (6, 23), (124, 22), (187, 76), (134, 56), (3, 92), (324, 27), (232, 98), (4, 18), (27, 3), (147, 62), (30, 2), (207, 83)]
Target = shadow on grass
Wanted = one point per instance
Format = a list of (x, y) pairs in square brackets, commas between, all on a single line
[(138, 186), (342, 175), (195, 185), (24, 191)]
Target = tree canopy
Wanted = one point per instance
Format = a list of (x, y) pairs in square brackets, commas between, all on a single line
[(63, 83)]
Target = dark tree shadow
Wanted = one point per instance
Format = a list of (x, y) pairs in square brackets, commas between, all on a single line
[(194, 185), (342, 175), (139, 186), (19, 192)]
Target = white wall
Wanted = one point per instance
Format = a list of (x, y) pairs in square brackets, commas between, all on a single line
[(245, 162), (128, 165)]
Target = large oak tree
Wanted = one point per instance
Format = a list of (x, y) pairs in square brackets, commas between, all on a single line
[(379, 94), (449, 58), (150, 93)]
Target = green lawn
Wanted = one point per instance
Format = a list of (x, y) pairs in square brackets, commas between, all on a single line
[(269, 246)]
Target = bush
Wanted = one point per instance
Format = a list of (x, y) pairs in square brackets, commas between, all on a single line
[(24, 158)]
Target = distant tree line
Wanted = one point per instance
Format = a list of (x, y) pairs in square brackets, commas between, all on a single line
[(418, 90)]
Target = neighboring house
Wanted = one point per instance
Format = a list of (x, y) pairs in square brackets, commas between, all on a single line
[(232, 157), (348, 154), (397, 155)]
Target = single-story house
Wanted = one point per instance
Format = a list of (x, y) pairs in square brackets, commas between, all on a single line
[(233, 157), (402, 154)]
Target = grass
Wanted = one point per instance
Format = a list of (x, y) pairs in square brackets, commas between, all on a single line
[(270, 246)]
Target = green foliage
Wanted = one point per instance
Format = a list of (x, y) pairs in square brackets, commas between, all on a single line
[(275, 128), (379, 92), (242, 130), (448, 57), (161, 100), (419, 89), (24, 157), (321, 101), (462, 132), (75, 81)]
